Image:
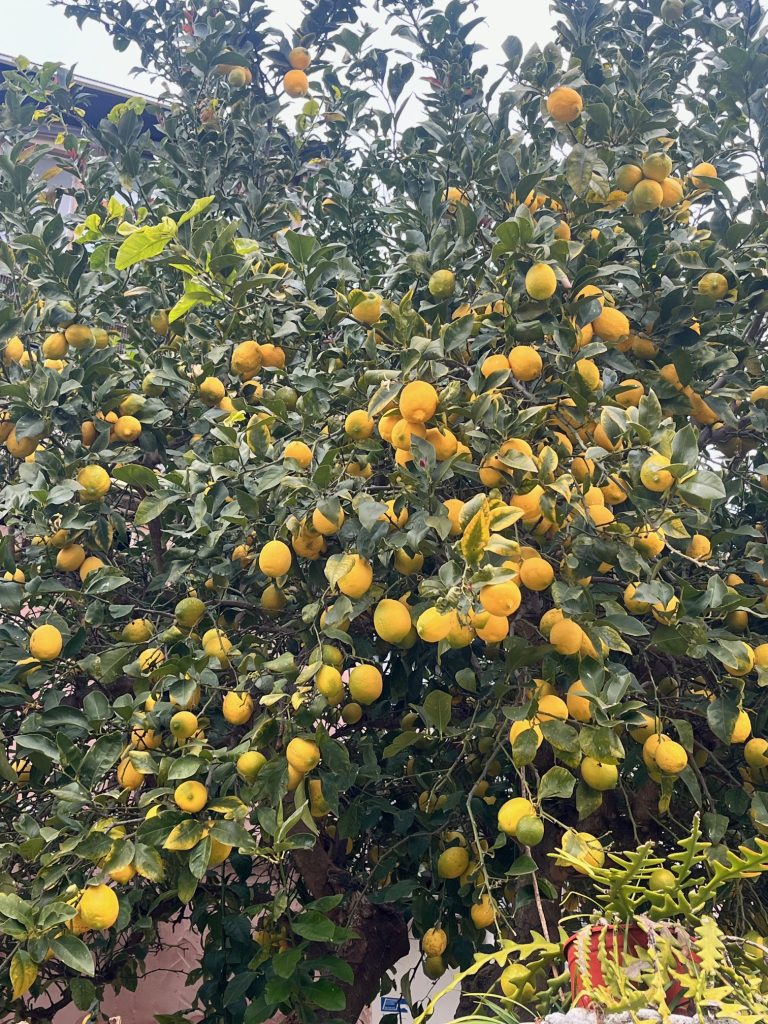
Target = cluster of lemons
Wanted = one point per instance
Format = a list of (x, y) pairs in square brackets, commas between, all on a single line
[(295, 80)]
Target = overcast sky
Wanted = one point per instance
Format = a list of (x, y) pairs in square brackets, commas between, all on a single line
[(39, 32)]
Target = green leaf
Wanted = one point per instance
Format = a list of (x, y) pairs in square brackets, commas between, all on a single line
[(14, 908), (137, 476), (337, 567), (199, 857), (579, 165), (186, 884), (83, 992), (74, 953), (402, 741), (513, 51), (284, 964), (702, 488), (602, 743), (101, 757), (600, 115), (557, 782), (300, 246), (278, 990), (437, 710), (685, 447), (525, 748), (524, 865), (237, 987), (715, 825), (232, 832), (721, 716), (104, 581), (314, 926), (587, 800), (326, 903), (153, 506), (194, 295), (560, 735), (23, 972), (326, 995), (184, 767), (144, 243)]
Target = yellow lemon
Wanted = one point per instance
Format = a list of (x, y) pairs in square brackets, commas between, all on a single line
[(536, 574), (434, 942), (150, 659), (392, 621), (45, 643), (365, 684), (358, 424), (94, 483), (654, 474), (246, 359), (368, 310), (275, 558), (127, 776), (302, 755), (70, 557), (249, 764), (237, 707), (329, 683), (657, 166), (713, 285), (453, 862), (525, 363), (541, 282), (579, 705), (418, 401), (564, 104), (295, 83), (137, 631), (433, 625), (190, 796), (566, 636), (500, 598), (647, 195), (357, 580), (598, 775), (511, 812), (299, 452), (98, 907)]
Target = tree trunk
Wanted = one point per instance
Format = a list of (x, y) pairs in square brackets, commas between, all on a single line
[(382, 934)]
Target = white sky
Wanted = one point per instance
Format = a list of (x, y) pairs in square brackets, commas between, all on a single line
[(42, 33)]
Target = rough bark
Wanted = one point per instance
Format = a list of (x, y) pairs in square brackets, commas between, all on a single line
[(382, 934)]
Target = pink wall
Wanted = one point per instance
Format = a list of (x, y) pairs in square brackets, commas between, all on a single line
[(162, 990)]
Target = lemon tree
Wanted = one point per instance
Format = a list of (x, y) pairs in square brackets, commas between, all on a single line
[(383, 490)]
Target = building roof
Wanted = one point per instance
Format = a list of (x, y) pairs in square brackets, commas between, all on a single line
[(101, 96)]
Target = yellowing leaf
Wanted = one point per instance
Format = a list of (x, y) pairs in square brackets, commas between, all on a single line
[(145, 243), (185, 835), (197, 207), (337, 567), (476, 535), (23, 973), (115, 209)]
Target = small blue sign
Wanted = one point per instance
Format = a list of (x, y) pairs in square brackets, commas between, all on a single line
[(391, 1004)]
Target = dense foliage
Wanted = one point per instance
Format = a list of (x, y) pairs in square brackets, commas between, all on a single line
[(383, 475)]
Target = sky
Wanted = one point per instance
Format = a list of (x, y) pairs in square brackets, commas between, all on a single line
[(41, 33)]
